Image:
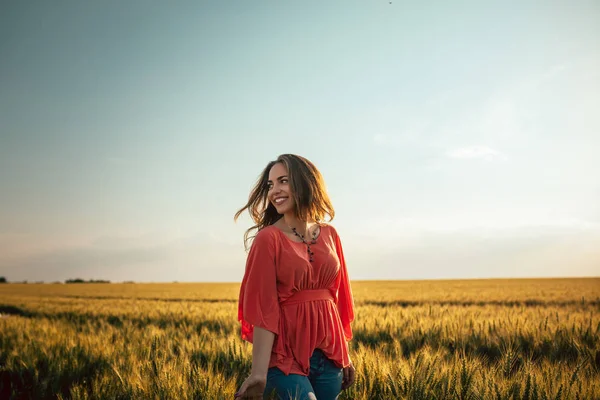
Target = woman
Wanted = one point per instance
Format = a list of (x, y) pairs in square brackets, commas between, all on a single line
[(295, 302)]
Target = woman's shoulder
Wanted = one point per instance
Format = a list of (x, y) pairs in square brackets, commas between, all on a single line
[(326, 227), (266, 234)]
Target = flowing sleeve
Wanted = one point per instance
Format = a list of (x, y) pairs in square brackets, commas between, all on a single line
[(344, 298), (258, 302)]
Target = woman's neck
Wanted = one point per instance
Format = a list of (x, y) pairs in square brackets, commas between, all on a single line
[(293, 222)]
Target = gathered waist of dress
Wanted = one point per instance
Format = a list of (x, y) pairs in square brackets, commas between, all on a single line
[(306, 295)]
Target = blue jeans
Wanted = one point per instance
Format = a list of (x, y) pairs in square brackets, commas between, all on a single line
[(324, 381)]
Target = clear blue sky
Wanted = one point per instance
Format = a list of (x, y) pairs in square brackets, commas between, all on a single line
[(457, 140)]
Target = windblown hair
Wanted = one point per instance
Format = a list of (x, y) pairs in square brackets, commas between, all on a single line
[(308, 191)]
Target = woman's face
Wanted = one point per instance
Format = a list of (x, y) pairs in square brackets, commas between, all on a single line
[(280, 192)]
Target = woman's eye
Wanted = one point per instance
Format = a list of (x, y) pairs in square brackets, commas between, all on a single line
[(284, 181)]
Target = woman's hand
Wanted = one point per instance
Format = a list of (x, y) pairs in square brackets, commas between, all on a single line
[(349, 376), (252, 388)]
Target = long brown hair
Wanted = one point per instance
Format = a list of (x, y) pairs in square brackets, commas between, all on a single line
[(308, 191)]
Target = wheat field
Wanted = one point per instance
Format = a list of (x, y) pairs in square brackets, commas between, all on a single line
[(470, 339)]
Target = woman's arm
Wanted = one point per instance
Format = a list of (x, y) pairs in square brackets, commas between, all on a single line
[(258, 311), (344, 298), (261, 351), (254, 386)]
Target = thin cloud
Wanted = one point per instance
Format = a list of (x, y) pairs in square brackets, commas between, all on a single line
[(508, 115), (476, 152)]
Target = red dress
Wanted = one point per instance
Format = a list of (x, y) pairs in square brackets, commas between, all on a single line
[(306, 305)]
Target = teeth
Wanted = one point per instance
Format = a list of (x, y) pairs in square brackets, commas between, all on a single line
[(280, 200)]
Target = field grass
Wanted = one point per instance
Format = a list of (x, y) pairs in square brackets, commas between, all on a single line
[(479, 339)]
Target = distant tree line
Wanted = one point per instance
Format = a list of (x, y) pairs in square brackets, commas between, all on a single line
[(78, 280)]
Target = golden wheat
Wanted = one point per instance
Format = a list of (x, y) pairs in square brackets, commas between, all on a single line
[(481, 339)]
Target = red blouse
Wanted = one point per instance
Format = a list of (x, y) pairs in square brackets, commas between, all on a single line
[(306, 305)]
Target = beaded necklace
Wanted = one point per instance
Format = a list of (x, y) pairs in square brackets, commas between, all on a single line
[(313, 241)]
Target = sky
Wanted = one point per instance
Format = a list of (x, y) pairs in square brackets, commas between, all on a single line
[(457, 139)]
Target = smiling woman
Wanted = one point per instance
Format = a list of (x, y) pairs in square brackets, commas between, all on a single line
[(295, 302)]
